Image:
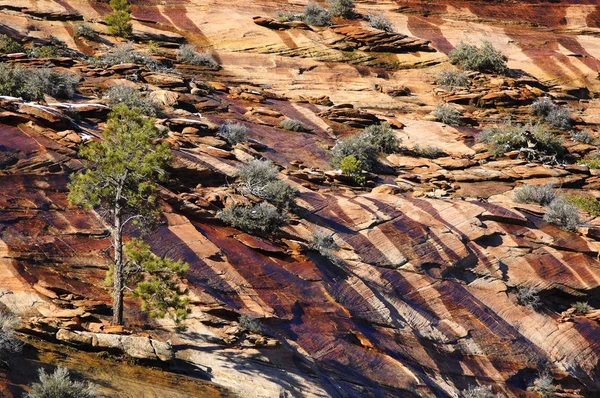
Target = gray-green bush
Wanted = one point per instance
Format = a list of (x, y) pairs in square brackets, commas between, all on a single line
[(479, 392), (511, 137), (539, 194), (32, 84), (85, 30), (562, 214), (366, 146), (556, 117), (581, 308), (9, 344), (528, 296), (380, 22), (291, 125), (250, 324), (482, 59), (187, 54), (262, 217), (260, 178), (544, 385), (234, 133), (125, 54), (59, 385), (452, 78), (583, 136), (8, 45), (447, 114), (131, 97), (341, 8), (316, 15)]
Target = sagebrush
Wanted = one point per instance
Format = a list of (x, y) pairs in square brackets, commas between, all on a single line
[(539, 194), (187, 54), (131, 97), (59, 385), (484, 58), (562, 214), (32, 84), (233, 132), (258, 218), (316, 15)]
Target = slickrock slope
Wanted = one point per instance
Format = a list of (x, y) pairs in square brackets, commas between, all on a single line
[(433, 250)]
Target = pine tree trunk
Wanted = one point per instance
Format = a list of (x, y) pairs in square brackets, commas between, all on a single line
[(118, 268)]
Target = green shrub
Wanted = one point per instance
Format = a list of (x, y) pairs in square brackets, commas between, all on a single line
[(582, 136), (581, 308), (280, 194), (528, 296), (9, 344), (8, 45), (262, 217), (341, 8), (428, 151), (544, 386), (291, 125), (118, 20), (511, 137), (482, 59), (260, 178), (447, 115), (250, 324), (452, 78), (562, 214), (85, 30), (539, 194), (366, 146), (380, 22), (32, 84), (591, 162), (588, 204), (234, 133), (351, 167), (59, 385), (479, 392), (131, 97), (555, 116), (44, 52), (187, 55), (316, 15), (153, 48)]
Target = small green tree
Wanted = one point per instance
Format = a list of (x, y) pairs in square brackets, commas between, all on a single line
[(123, 171), (157, 281), (118, 20), (352, 167)]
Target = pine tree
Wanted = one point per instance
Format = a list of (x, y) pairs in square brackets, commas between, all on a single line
[(119, 19), (120, 183)]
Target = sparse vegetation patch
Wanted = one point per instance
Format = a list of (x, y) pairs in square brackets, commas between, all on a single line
[(188, 55), (341, 8), (131, 97)]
